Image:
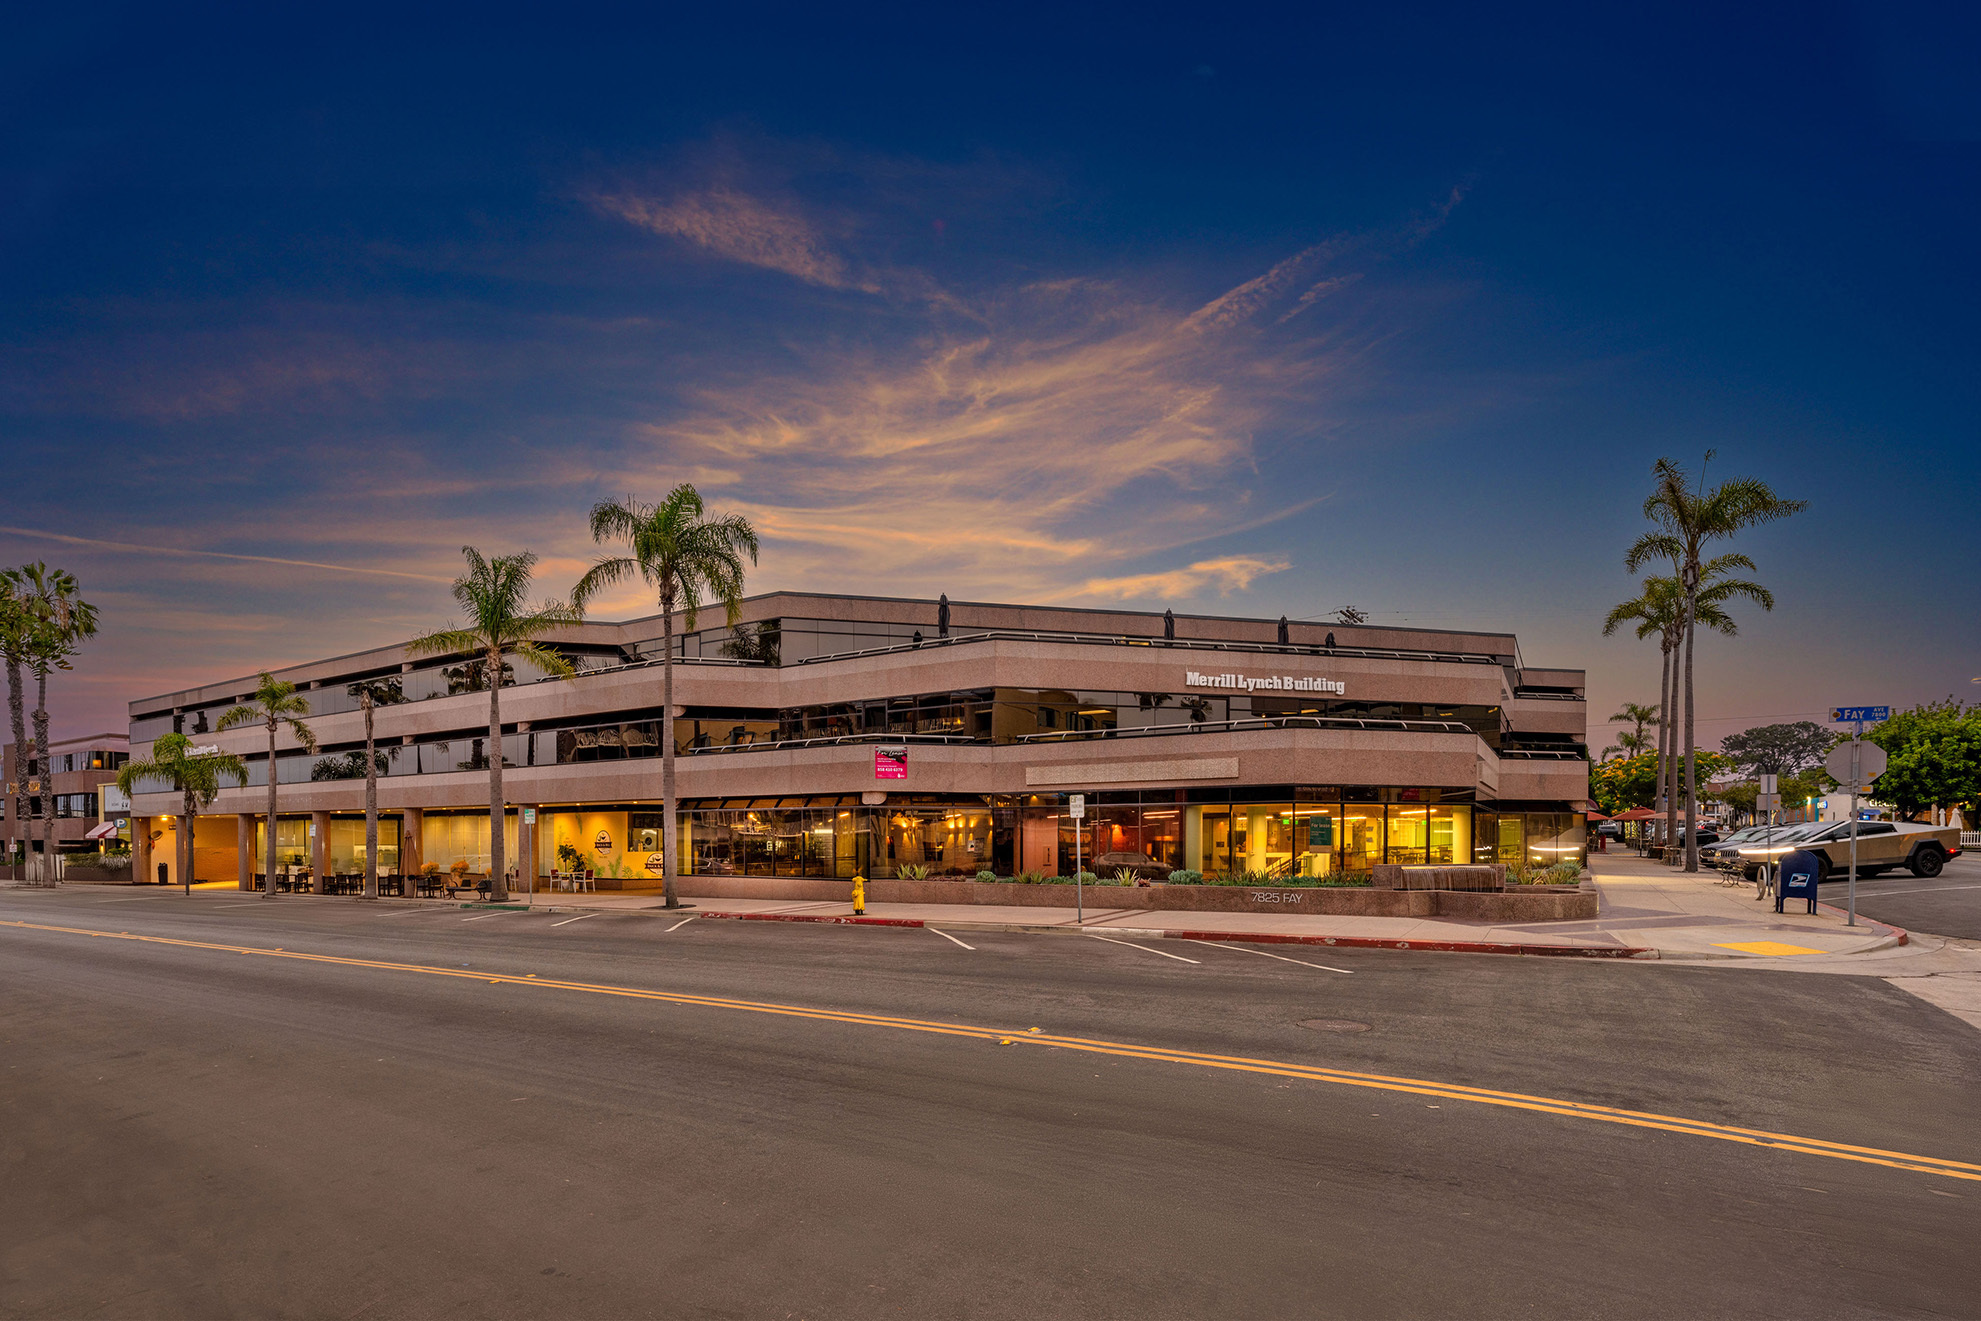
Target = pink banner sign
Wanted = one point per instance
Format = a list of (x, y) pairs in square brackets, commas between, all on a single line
[(891, 762)]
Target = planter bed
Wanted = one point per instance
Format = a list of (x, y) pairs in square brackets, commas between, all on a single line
[(1525, 903)]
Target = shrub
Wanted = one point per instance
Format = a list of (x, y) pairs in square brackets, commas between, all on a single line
[(1186, 877), (913, 871), (1122, 876), (987, 875), (1033, 878), (1559, 873)]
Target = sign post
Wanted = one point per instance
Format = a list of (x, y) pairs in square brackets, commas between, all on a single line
[(1767, 800), (1857, 760), (1076, 807)]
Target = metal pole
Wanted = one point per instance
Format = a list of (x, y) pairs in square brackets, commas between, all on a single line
[(1856, 750), (1079, 899)]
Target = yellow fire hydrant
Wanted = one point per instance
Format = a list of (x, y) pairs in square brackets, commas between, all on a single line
[(859, 896)]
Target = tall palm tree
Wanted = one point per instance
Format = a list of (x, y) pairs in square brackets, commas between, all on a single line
[(275, 704), (493, 595), (55, 620), (373, 693), (13, 645), (1689, 517), (687, 558), (1656, 610), (196, 778)]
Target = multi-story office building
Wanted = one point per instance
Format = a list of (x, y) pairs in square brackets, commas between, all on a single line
[(78, 788), (835, 735)]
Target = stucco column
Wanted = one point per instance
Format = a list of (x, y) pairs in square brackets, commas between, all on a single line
[(244, 849), (412, 824), (320, 852), (526, 848), (140, 848)]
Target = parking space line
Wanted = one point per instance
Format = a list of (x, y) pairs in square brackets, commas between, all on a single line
[(676, 927), (946, 936), (1867, 893), (1247, 949), (569, 920), (483, 917), (1144, 948)]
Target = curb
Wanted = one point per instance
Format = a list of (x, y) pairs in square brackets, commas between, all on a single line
[(1894, 936), (1242, 937)]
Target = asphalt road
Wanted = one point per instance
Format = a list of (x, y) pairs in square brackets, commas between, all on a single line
[(190, 1131), (1947, 905)]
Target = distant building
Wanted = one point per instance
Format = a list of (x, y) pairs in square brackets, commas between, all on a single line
[(78, 788)]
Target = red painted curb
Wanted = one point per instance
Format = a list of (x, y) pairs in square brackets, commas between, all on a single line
[(819, 917), (1904, 936), (1437, 946)]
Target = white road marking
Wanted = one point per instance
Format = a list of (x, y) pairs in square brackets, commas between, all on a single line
[(408, 912), (1247, 949), (946, 936), (1144, 948), (134, 899), (1873, 894), (569, 920), (676, 927), (500, 912)]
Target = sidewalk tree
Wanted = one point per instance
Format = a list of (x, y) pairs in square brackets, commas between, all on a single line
[(274, 705), (196, 779), (372, 694), (1689, 518), (13, 647), (1935, 752), (688, 559), (498, 622)]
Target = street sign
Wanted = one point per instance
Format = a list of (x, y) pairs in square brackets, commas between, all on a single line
[(1869, 763), (529, 816), (1847, 715), (1076, 806), (1767, 802), (1770, 784)]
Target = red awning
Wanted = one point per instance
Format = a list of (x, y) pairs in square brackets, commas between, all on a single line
[(1636, 814), (1596, 816), (104, 831)]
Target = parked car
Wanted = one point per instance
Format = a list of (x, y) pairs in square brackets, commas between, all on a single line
[(1882, 846)]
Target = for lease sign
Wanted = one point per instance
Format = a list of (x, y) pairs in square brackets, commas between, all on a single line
[(891, 761)]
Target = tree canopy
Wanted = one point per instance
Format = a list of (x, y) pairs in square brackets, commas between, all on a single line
[(1935, 751), (1778, 749)]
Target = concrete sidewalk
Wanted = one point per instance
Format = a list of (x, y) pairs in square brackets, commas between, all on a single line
[(1647, 911)]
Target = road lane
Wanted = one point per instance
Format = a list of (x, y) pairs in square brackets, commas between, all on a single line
[(212, 1132)]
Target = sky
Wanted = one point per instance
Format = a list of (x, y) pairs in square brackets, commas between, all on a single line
[(1271, 311)]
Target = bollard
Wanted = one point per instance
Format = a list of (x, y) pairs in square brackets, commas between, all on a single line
[(859, 896)]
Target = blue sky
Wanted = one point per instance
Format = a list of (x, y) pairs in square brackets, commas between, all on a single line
[(1315, 307)]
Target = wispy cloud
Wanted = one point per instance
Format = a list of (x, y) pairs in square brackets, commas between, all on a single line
[(739, 228), (100, 544), (1225, 575)]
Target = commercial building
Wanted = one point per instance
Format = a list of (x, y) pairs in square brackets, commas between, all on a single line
[(835, 735), (78, 790)]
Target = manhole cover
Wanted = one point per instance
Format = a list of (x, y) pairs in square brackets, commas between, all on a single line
[(1334, 1025)]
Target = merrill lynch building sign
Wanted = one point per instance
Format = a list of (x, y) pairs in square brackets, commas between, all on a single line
[(1264, 683)]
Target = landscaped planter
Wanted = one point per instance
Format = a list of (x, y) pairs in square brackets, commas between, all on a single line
[(1536, 903)]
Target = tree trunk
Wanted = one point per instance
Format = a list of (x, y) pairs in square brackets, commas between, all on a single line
[(1665, 739), (44, 797), (268, 841), (18, 772), (670, 829), (1691, 757), (498, 888), (371, 806)]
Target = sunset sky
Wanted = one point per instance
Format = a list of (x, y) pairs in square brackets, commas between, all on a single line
[(1311, 308)]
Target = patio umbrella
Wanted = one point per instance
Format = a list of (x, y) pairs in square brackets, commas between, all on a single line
[(1594, 815), (1636, 814)]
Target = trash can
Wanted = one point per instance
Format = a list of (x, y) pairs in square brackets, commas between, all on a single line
[(164, 874)]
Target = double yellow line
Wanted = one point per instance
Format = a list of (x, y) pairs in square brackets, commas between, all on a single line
[(1899, 1160)]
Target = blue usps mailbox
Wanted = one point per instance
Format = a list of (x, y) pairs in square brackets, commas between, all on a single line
[(1799, 871)]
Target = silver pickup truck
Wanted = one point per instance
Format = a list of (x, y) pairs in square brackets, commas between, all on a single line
[(1881, 846)]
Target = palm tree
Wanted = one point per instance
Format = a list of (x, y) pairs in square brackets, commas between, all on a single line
[(1636, 715), (1690, 518), (373, 693), (55, 620), (686, 558), (13, 646), (275, 703), (197, 779), (1656, 610), (493, 596)]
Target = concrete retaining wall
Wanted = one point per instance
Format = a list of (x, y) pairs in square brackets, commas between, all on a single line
[(1525, 904)]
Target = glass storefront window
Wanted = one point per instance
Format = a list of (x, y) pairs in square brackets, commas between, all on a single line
[(1316, 836), (1409, 835), (1361, 836), (446, 840), (347, 845), (1450, 836)]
